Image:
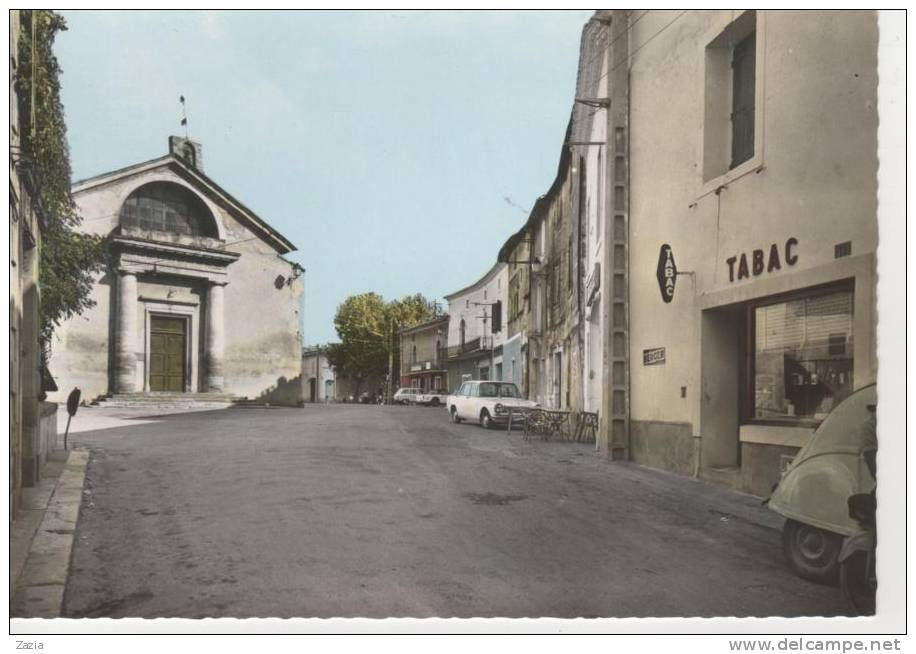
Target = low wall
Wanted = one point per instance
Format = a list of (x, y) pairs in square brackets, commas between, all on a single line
[(760, 467), (665, 445)]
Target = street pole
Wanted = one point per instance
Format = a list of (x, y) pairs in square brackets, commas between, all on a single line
[(390, 358)]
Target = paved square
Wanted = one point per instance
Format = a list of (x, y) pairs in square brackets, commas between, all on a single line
[(367, 511)]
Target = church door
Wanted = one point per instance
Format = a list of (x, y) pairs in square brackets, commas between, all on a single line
[(167, 354)]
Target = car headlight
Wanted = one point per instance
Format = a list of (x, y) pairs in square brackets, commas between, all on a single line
[(499, 408)]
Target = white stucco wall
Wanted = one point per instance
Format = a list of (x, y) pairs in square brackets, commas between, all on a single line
[(815, 181), (490, 288)]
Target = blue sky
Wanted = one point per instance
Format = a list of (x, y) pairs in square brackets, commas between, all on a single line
[(380, 143)]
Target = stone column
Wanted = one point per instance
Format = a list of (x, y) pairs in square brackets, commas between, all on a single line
[(126, 337), (215, 338)]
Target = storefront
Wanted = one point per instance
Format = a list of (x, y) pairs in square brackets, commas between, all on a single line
[(425, 380), (776, 357)]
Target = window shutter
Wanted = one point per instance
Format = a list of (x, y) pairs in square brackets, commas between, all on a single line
[(744, 60), (497, 322)]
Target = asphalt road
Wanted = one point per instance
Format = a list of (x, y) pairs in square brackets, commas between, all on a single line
[(366, 511)]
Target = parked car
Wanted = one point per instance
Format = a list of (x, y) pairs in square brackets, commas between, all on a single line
[(813, 494), (488, 402), (433, 397), (406, 396)]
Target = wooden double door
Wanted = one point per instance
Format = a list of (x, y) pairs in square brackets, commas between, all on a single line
[(168, 353)]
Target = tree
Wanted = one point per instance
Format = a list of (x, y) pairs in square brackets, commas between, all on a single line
[(367, 327), (360, 324), (68, 259)]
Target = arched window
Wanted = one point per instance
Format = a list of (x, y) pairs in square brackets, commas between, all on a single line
[(166, 207)]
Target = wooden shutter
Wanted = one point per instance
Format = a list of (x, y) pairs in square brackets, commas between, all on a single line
[(743, 85), (497, 322)]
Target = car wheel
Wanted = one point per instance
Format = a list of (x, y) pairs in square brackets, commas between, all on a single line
[(454, 414), (813, 553), (858, 581), (485, 420), (435, 402)]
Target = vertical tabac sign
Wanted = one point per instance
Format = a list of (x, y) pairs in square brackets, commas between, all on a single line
[(666, 273)]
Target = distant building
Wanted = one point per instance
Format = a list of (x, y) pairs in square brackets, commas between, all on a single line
[(477, 331), (318, 376), (423, 350), (197, 297)]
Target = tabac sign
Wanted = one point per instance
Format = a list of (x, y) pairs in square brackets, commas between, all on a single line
[(666, 273)]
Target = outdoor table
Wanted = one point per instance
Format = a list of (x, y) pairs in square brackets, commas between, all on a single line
[(521, 412), (545, 421), (558, 421)]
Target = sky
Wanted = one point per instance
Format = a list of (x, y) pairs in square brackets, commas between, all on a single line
[(383, 144)]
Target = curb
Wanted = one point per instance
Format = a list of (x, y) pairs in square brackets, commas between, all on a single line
[(39, 592)]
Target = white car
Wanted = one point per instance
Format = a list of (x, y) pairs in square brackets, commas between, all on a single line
[(486, 401), (432, 398), (406, 395)]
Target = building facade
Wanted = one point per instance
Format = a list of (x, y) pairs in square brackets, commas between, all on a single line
[(189, 266), (589, 155), (702, 270), (751, 307), (319, 380), (477, 331), (27, 221), (423, 355), (546, 260)]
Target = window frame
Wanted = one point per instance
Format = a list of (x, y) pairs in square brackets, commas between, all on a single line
[(746, 47), (747, 369), (715, 125)]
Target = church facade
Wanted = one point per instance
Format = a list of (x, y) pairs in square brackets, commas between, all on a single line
[(195, 296)]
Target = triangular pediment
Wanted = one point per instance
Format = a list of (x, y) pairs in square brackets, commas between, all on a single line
[(199, 182)]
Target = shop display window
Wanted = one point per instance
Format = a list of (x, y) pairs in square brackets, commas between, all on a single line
[(802, 357)]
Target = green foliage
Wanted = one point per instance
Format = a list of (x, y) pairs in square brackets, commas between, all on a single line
[(412, 310), (67, 259), (367, 327), (361, 324)]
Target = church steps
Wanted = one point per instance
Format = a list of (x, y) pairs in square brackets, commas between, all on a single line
[(168, 400)]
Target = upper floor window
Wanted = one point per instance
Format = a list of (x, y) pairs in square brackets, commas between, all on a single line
[(569, 265), (743, 83), (167, 207), (732, 121), (513, 297)]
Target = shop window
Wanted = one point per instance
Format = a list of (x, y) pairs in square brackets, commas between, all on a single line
[(801, 356)]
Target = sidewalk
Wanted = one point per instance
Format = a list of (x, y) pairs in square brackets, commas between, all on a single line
[(42, 538)]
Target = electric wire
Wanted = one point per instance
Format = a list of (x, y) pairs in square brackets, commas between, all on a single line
[(644, 43)]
